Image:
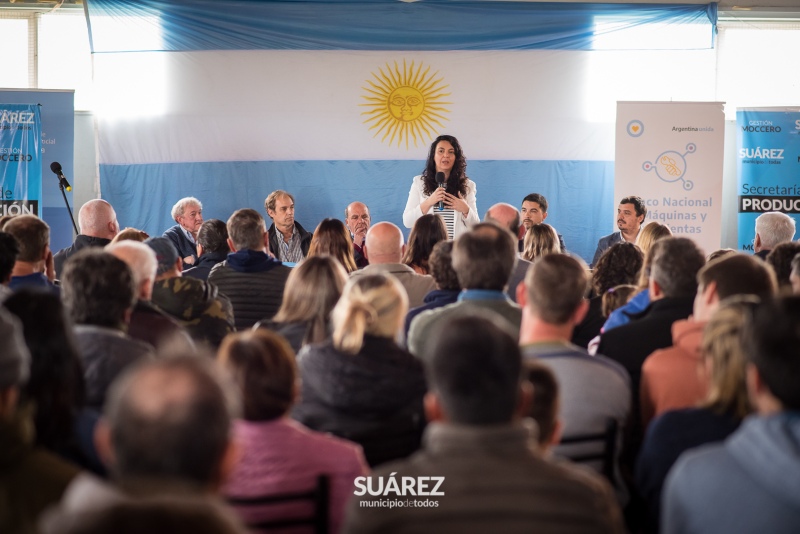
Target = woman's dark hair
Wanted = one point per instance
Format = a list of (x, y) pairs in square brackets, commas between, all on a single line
[(56, 385), (428, 230), (331, 237), (263, 366), (618, 265), (457, 181)]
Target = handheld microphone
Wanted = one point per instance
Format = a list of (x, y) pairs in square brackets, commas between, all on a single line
[(440, 183), (62, 180)]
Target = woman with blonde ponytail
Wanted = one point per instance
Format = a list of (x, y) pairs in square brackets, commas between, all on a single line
[(361, 385)]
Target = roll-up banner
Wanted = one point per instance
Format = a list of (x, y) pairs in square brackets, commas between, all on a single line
[(57, 132), (20, 159), (670, 154), (768, 165)]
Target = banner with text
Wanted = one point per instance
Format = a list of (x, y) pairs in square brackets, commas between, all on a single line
[(20, 159), (670, 154), (768, 166)]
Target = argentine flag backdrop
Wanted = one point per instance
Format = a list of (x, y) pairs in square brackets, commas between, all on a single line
[(339, 101)]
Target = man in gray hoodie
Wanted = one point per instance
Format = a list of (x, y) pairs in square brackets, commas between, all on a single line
[(751, 482)]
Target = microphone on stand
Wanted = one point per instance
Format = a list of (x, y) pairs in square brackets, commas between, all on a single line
[(62, 180), (63, 184), (440, 183)]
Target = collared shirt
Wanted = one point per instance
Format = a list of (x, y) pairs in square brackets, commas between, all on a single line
[(188, 234), (291, 251)]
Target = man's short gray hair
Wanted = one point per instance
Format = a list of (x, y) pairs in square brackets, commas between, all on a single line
[(180, 206), (140, 258), (774, 228)]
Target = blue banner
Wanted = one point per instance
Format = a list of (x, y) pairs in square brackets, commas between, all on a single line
[(57, 144), (174, 25), (768, 165), (20, 159)]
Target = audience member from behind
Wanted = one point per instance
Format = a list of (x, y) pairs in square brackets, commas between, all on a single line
[(716, 416), (212, 248), (32, 478), (594, 389), (360, 385), (252, 279), (188, 213), (545, 405), (483, 259), (9, 250), (196, 305), (278, 455), (34, 265), (651, 232), (672, 286), (98, 223), (772, 229), (631, 214), (619, 264), (507, 216), (165, 436), (331, 238), (312, 290), (669, 376), (794, 276), (447, 286), (540, 240), (780, 258), (99, 293), (617, 296), (751, 482), (492, 479), (55, 390), (148, 323), (385, 251), (130, 234), (427, 231), (288, 240), (357, 219)]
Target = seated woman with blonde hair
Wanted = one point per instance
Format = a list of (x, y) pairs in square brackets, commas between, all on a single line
[(540, 239), (717, 417), (360, 384), (312, 290)]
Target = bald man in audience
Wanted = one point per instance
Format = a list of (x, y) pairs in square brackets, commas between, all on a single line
[(357, 220), (98, 223), (507, 216), (385, 247)]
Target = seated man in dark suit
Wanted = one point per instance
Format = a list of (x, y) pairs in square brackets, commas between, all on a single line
[(188, 213), (630, 217)]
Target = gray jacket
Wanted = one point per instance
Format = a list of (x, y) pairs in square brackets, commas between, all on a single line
[(749, 483), (105, 353)]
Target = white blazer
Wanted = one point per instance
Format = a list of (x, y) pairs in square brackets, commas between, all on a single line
[(416, 196)]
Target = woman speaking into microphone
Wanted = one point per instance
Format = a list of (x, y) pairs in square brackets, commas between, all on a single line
[(443, 188)]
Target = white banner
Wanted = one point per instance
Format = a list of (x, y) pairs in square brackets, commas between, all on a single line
[(670, 154)]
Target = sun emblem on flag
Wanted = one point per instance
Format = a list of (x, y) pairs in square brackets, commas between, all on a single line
[(405, 104)]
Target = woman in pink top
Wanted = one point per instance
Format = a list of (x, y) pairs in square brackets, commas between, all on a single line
[(279, 455)]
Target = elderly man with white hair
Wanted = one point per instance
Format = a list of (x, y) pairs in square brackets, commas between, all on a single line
[(772, 229), (188, 213), (148, 323), (98, 223)]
